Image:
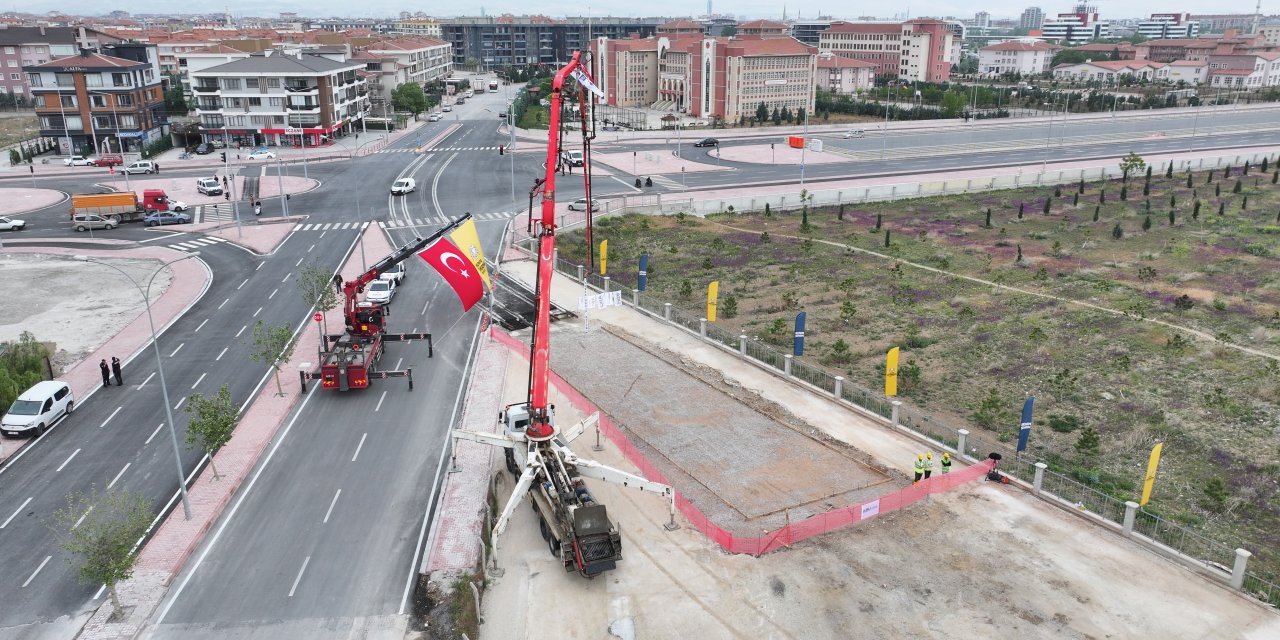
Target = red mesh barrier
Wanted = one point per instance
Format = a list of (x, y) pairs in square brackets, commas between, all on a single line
[(790, 534)]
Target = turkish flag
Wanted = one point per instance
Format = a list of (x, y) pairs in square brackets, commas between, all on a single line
[(458, 271)]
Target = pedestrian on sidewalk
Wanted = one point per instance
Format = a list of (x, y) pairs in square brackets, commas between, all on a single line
[(946, 463), (928, 465), (157, 167), (106, 373), (115, 370), (919, 468), (224, 183)]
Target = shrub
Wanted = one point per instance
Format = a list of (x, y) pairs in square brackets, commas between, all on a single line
[(767, 212), (840, 212), (14, 156), (1244, 203), (1089, 444), (764, 237), (730, 307), (1048, 202), (879, 221), (1195, 212), (1096, 209), (1222, 207), (1236, 189), (686, 289), (1168, 173), (992, 411), (1183, 303), (988, 222), (1172, 218), (1173, 200), (1075, 200), (1188, 179), (840, 351), (1117, 232), (1063, 424), (1146, 223), (886, 238), (1216, 495), (1057, 191)]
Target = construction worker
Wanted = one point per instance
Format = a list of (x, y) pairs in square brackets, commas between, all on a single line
[(946, 463), (928, 465), (919, 468)]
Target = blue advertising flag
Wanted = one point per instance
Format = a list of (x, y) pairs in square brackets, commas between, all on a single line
[(798, 348), (1025, 430), (643, 281)]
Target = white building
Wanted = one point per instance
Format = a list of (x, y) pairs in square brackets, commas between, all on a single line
[(1169, 25), (1192, 72), (1026, 56), (423, 59), (427, 28), (1074, 28), (1112, 71), (1249, 71), (199, 59), (844, 76)]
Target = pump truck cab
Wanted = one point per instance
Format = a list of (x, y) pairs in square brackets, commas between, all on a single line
[(126, 206)]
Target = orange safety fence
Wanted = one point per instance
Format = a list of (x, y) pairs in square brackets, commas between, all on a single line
[(770, 540)]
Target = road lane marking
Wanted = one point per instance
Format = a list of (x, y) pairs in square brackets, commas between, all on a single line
[(424, 308), (331, 503), (199, 380), (201, 326), (380, 399), (358, 447), (246, 281), (224, 302), (259, 266), (295, 580), (273, 293), (398, 363), (153, 434), (20, 508), (177, 406), (290, 274), (241, 330), (221, 353), (144, 382), (113, 414), (83, 516), (117, 478), (175, 351), (33, 575), (322, 234), (310, 248), (64, 462), (255, 313), (299, 262)]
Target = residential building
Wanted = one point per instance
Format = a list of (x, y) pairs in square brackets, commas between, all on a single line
[(23, 46), (423, 59), (1108, 50), (1220, 23), (1169, 25), (680, 28), (706, 77), (272, 96), (501, 41), (763, 29), (913, 50), (419, 27), (982, 20), (1032, 18), (1247, 71), (1074, 28), (199, 59), (1027, 56), (809, 31), (844, 76), (1111, 71), (1191, 72), (98, 101)]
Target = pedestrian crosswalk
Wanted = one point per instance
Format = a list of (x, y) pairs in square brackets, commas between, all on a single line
[(331, 226), (434, 149), (219, 212), (427, 222), (664, 181), (194, 244)]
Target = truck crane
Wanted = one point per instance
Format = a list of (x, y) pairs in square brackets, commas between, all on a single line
[(348, 360), (576, 527)]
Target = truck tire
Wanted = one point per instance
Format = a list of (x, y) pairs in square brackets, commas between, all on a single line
[(542, 528), (115, 219), (554, 545), (511, 463)]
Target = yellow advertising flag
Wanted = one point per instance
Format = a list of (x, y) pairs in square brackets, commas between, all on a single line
[(468, 240), (604, 255), (891, 373), (1152, 465), (713, 291)]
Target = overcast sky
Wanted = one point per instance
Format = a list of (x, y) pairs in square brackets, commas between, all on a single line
[(741, 8)]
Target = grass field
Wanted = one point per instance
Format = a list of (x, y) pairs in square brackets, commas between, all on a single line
[(13, 130), (1143, 319)]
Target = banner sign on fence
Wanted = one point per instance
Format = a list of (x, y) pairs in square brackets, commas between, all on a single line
[(604, 255), (600, 301), (797, 348), (891, 373), (713, 293), (643, 279), (1153, 464), (870, 509), (1024, 430)]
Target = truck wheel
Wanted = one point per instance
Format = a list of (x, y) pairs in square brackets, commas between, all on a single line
[(542, 528), (554, 545), (511, 463), (115, 219)]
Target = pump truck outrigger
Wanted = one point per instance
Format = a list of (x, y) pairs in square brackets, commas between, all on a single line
[(348, 360), (576, 527)]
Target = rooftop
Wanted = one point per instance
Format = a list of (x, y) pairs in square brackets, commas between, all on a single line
[(86, 60), (277, 62)]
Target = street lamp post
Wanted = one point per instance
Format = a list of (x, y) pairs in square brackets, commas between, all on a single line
[(164, 388), (284, 200), (66, 130)]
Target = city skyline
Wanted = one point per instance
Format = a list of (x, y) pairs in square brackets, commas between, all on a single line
[(749, 9)]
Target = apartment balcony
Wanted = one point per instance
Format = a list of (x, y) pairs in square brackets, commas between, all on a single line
[(205, 89), (302, 89)]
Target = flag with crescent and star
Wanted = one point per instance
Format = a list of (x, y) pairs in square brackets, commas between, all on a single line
[(452, 263), (468, 239)]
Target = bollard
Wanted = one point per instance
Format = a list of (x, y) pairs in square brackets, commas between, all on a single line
[(606, 283), (666, 311), (839, 387), (961, 436), (581, 277), (786, 363), (897, 409), (635, 298), (1237, 570), (1039, 479), (1130, 514), (742, 344), (702, 328), (475, 593)]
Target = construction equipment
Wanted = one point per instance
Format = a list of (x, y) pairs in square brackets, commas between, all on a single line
[(576, 527), (349, 360)]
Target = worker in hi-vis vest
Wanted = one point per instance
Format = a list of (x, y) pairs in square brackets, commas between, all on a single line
[(946, 463), (919, 468), (928, 465)]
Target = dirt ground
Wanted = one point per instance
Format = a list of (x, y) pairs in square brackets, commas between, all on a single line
[(61, 293), (986, 559)]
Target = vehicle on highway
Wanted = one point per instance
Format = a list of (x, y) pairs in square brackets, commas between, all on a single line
[(86, 221), (11, 224), (141, 166), (204, 149), (470, 93), (380, 291), (395, 273), (493, 85), (166, 217), (261, 155), (435, 117), (209, 186), (581, 205), (403, 186), (108, 160), (573, 157), (79, 161), (707, 142), (460, 100), (854, 133), (38, 408), (446, 108), (502, 115)]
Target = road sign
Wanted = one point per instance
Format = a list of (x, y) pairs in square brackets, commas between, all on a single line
[(318, 317), (293, 131)]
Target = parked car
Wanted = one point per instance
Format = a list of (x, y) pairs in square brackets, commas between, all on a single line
[(204, 149), (209, 186), (38, 408), (166, 217), (11, 224), (86, 221), (108, 160), (403, 186), (435, 117), (261, 155), (395, 274), (707, 142), (380, 291), (581, 205), (854, 133), (79, 161), (446, 108), (141, 166)]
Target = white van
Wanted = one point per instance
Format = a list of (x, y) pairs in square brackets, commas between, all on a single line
[(38, 408), (141, 166), (403, 186), (574, 158)]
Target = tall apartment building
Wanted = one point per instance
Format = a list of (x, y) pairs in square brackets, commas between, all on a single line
[(1169, 25), (809, 31), (1032, 18), (274, 97), (1221, 22), (1075, 28), (499, 41), (23, 46), (96, 100), (419, 27), (422, 59), (982, 20), (914, 50)]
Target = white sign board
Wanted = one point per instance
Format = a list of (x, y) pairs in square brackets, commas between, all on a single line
[(600, 301), (293, 131), (870, 509), (774, 82)]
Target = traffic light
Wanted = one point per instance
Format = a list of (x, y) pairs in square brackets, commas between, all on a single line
[(224, 156)]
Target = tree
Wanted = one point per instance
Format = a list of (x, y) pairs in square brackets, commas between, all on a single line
[(409, 97), (213, 420), (98, 531), (176, 103), (1168, 172), (317, 287), (1216, 494), (1117, 232), (1130, 163), (886, 238), (1088, 445), (762, 112), (730, 307), (992, 411), (1115, 53), (1069, 56), (1048, 202), (1146, 223), (847, 312), (1236, 189), (274, 346), (987, 224), (777, 116), (840, 351)]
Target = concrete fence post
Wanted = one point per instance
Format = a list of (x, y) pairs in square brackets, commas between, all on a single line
[(635, 298), (742, 344), (702, 328), (839, 393), (581, 274), (897, 412), (786, 363), (606, 283), (1238, 569), (962, 437), (1038, 481), (666, 311), (555, 258), (1130, 515)]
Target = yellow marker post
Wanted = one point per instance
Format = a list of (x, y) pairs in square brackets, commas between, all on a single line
[(891, 373), (604, 255), (1152, 465), (713, 291)]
